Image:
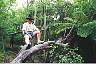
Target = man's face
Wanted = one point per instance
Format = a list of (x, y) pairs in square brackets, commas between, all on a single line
[(29, 21)]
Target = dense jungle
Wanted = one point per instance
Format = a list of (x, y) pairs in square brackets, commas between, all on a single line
[(70, 21)]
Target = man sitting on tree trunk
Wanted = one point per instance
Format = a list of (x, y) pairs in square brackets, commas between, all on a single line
[(29, 30)]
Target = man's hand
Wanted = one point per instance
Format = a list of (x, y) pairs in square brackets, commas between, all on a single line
[(24, 32)]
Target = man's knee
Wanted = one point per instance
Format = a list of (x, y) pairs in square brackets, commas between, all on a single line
[(36, 32), (28, 37)]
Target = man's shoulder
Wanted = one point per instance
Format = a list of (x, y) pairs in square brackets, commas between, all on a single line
[(25, 23), (33, 24)]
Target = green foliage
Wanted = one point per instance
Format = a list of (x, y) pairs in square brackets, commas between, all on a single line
[(94, 4), (1, 57), (81, 13), (59, 54), (80, 17), (87, 29), (71, 57), (83, 26), (56, 28)]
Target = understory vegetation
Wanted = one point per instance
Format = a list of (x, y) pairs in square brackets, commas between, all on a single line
[(73, 20)]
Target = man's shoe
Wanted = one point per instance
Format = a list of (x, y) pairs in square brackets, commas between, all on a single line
[(24, 47), (30, 43)]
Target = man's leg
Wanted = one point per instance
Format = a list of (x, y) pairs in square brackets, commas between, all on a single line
[(27, 41), (38, 35)]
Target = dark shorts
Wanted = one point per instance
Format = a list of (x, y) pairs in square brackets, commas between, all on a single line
[(29, 33)]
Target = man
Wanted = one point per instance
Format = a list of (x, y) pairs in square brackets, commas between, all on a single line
[(30, 30)]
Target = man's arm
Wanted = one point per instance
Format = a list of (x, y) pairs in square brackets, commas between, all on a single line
[(35, 28), (24, 29)]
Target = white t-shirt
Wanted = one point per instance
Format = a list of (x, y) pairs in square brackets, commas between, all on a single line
[(29, 27)]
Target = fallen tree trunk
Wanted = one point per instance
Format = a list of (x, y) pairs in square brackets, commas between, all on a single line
[(33, 49)]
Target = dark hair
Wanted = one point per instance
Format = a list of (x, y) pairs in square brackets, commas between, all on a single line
[(29, 18)]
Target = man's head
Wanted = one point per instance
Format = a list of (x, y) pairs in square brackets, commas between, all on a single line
[(29, 20)]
